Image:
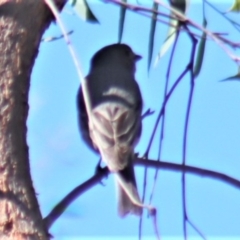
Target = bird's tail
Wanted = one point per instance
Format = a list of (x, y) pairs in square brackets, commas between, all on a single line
[(125, 205)]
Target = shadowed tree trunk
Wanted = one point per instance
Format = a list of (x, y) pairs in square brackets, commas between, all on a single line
[(22, 23)]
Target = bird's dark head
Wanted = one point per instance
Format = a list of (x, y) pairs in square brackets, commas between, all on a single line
[(120, 54)]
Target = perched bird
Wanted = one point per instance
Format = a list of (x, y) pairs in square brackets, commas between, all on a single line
[(116, 107)]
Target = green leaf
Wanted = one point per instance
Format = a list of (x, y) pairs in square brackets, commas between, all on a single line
[(181, 6), (171, 36), (235, 7), (121, 21), (83, 10), (152, 34), (201, 50), (235, 77)]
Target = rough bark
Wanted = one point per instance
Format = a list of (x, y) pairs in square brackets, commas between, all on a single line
[(22, 23)]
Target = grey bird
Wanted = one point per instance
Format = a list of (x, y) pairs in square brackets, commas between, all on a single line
[(116, 108)]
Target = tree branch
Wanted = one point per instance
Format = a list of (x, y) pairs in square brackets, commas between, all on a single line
[(96, 178)]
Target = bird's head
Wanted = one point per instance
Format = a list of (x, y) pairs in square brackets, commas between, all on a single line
[(117, 54)]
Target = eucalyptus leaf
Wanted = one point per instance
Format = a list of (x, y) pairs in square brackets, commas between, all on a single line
[(121, 21), (83, 10), (152, 34), (181, 6), (232, 78), (235, 7), (235, 77), (171, 36), (201, 50)]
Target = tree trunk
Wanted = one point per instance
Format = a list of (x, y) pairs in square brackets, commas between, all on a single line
[(22, 23)]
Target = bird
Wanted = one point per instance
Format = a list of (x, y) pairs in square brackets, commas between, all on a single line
[(115, 108)]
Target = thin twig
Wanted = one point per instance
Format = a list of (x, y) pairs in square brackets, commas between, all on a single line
[(163, 109), (52, 6), (198, 26), (196, 228), (51, 39), (185, 134), (143, 199), (75, 193), (235, 24), (96, 179), (188, 169), (140, 9), (144, 11), (163, 115), (179, 16)]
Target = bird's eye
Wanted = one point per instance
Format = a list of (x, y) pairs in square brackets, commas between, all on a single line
[(128, 52)]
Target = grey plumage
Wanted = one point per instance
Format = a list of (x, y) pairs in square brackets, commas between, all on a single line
[(116, 107)]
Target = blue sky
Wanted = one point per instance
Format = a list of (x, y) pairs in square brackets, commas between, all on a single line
[(60, 161)]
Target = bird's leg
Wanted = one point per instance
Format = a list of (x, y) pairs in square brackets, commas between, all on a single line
[(99, 169)]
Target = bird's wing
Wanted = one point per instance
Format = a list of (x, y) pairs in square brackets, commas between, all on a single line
[(113, 129)]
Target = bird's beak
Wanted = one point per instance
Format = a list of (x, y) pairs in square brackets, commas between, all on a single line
[(137, 57)]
